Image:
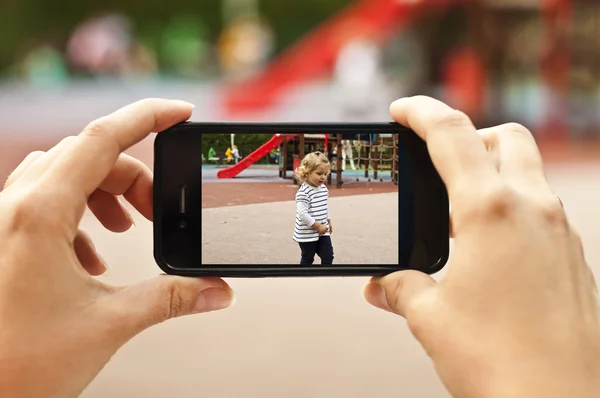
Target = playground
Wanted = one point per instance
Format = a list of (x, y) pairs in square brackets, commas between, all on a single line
[(248, 209)]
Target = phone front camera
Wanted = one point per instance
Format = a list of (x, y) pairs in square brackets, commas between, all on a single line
[(182, 224)]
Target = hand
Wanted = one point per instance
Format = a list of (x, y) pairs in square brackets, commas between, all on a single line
[(517, 313), (59, 324), (322, 229), (330, 228)]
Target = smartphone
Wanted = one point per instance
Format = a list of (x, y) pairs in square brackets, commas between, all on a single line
[(225, 200)]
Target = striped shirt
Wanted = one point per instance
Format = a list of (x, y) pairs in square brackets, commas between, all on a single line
[(311, 206)]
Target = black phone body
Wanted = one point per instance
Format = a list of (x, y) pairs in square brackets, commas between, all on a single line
[(423, 212)]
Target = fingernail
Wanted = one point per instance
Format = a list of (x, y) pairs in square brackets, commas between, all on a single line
[(181, 102), (131, 220), (376, 296), (106, 270), (188, 103), (214, 298)]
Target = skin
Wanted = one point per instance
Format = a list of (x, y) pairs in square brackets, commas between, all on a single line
[(61, 325), (318, 175), (515, 317), (517, 313)]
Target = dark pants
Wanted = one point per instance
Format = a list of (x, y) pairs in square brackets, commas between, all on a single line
[(321, 247)]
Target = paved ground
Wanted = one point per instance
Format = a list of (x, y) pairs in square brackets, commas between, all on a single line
[(226, 194), (252, 222), (262, 185), (365, 232)]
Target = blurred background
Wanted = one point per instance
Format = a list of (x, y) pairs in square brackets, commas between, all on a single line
[(64, 63), (532, 61)]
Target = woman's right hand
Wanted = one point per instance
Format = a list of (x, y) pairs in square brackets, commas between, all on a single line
[(517, 313)]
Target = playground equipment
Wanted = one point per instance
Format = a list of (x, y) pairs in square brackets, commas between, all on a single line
[(314, 55), (378, 152), (293, 150), (252, 158)]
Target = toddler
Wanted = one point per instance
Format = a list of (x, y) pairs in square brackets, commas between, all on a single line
[(313, 224)]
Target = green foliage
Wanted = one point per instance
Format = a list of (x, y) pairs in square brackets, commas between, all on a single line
[(297, 17), (246, 143), (27, 23)]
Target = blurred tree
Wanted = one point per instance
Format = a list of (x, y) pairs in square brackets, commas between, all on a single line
[(23, 20), (246, 143), (297, 17), (44, 67), (185, 46), (29, 19)]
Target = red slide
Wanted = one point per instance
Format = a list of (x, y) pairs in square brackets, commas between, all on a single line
[(315, 53), (254, 157)]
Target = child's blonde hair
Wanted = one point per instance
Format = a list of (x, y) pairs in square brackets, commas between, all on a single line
[(309, 164)]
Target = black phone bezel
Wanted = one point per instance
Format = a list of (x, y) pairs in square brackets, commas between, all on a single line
[(187, 162)]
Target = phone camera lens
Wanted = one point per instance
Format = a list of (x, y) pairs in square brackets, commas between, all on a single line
[(182, 224)]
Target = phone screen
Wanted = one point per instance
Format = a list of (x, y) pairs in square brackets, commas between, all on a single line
[(297, 199)]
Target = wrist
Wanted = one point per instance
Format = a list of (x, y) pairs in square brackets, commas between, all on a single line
[(550, 385), (17, 373), (546, 376)]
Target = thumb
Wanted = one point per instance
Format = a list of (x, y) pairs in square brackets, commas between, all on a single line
[(148, 303), (396, 292)]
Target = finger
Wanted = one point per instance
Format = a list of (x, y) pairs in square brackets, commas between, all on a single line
[(164, 297), (38, 168), (457, 151), (87, 254), (22, 167), (102, 141), (397, 292), (517, 155), (109, 211), (130, 178), (133, 179), (80, 168), (587, 276)]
